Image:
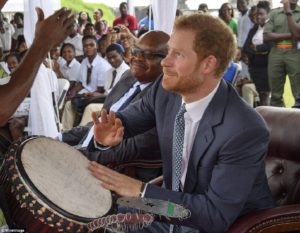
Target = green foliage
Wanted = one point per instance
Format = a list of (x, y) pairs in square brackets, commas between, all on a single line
[(79, 5), (288, 96)]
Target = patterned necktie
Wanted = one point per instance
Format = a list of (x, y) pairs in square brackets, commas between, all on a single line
[(89, 75), (114, 75), (130, 98), (178, 138)]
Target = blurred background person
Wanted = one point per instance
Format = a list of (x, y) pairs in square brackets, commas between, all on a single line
[(226, 13), (257, 52), (83, 19), (126, 19), (203, 8)]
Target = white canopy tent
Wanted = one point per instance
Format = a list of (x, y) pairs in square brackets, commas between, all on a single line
[(18, 5)]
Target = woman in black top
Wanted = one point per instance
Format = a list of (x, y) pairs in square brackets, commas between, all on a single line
[(257, 52)]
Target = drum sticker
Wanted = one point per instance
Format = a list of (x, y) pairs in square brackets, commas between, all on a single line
[(159, 207)]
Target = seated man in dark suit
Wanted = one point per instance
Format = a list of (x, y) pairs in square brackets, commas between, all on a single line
[(213, 145), (144, 70)]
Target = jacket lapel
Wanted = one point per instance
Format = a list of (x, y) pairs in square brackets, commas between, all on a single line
[(119, 89), (205, 134)]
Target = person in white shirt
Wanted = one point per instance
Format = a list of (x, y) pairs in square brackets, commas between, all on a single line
[(6, 32), (71, 68), (76, 39), (244, 26), (19, 28), (114, 55), (90, 80)]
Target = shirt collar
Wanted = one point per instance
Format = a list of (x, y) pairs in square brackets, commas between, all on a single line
[(196, 109), (142, 85), (96, 61), (120, 68), (71, 63)]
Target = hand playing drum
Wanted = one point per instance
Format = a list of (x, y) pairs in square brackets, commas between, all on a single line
[(108, 131), (114, 181)]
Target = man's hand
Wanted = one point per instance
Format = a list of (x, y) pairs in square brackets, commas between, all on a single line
[(286, 6), (114, 181), (109, 131), (60, 24)]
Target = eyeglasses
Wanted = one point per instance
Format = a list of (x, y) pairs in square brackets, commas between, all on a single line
[(146, 54)]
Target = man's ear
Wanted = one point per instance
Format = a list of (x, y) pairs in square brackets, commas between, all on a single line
[(209, 64)]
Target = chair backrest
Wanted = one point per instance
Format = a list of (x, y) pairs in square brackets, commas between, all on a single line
[(63, 87), (232, 72), (283, 156)]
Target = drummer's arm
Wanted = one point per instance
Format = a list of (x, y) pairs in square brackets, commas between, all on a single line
[(2, 3)]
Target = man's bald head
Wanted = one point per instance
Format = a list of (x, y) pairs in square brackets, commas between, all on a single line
[(156, 39), (147, 54)]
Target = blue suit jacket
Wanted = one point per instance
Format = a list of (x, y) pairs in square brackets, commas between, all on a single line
[(226, 172)]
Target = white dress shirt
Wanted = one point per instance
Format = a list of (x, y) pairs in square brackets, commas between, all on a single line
[(258, 38), (244, 26), (100, 66), (71, 71), (109, 76), (5, 38), (192, 117)]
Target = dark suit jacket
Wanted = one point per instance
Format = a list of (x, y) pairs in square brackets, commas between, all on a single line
[(144, 146), (226, 173)]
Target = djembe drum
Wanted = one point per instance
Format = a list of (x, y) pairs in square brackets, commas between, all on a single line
[(49, 188)]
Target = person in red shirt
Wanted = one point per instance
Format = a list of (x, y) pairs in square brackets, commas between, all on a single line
[(125, 19)]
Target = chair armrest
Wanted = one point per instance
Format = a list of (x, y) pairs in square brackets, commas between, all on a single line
[(138, 163), (279, 219)]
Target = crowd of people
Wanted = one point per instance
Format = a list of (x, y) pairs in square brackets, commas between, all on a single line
[(92, 73), (164, 97)]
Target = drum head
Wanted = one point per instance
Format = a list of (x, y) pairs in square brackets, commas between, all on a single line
[(58, 176)]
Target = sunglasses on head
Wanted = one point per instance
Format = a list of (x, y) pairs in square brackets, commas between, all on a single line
[(146, 54)]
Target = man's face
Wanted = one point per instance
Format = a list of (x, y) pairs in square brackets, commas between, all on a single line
[(89, 47), (182, 71), (242, 5), (89, 31), (123, 9), (97, 15), (114, 58), (145, 61)]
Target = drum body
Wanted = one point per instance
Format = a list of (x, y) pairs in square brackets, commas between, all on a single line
[(49, 187)]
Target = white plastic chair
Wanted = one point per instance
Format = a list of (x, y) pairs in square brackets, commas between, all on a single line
[(63, 87)]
